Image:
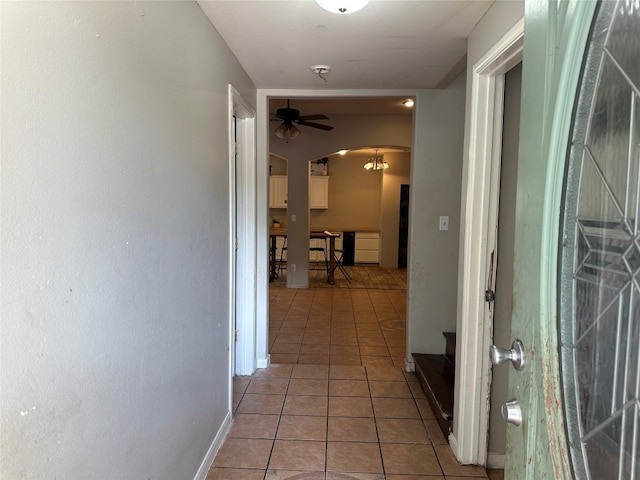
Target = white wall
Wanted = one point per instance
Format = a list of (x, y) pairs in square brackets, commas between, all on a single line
[(114, 213), (435, 191)]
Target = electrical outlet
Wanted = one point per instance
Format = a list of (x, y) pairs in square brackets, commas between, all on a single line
[(293, 267), (444, 223), (293, 218)]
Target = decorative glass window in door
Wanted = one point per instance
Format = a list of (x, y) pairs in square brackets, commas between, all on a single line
[(600, 254)]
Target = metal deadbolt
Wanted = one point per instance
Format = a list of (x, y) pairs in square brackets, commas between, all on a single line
[(512, 412), (501, 355)]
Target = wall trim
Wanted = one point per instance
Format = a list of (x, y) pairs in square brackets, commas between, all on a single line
[(218, 440), (264, 362), (242, 177), (495, 460), (409, 366), (474, 327)]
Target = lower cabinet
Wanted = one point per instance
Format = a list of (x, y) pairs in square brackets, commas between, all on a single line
[(367, 247)]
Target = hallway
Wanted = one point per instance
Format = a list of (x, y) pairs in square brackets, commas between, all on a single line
[(336, 404)]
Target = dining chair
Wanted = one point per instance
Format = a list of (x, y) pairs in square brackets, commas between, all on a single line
[(338, 257), (326, 257), (282, 263)]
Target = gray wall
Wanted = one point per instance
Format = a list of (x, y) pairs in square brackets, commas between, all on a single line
[(435, 191), (115, 200)]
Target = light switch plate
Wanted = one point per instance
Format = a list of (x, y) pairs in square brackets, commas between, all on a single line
[(444, 222)]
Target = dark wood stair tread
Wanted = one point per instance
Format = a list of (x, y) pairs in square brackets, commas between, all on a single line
[(450, 351), (437, 378)]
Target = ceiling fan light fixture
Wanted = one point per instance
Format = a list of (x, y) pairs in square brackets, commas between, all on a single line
[(281, 131), (294, 131), (342, 7)]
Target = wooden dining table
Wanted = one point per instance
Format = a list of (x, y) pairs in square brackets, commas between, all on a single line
[(274, 233)]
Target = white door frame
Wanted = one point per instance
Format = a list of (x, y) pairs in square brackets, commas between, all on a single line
[(468, 439), (242, 281)]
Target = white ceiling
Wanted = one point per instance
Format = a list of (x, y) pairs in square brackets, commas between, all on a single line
[(389, 44)]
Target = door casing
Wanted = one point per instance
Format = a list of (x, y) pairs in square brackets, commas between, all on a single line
[(474, 324), (242, 179)]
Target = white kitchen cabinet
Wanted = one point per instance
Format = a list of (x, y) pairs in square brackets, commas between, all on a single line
[(278, 191), (318, 192), (367, 247)]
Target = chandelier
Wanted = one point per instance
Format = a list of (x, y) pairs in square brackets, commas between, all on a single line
[(376, 162)]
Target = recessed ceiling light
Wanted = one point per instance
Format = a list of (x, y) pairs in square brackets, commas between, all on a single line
[(342, 152), (342, 7), (408, 103)]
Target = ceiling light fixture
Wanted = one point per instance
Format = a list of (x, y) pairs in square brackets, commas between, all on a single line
[(342, 152), (342, 7), (408, 103), (290, 131), (376, 162)]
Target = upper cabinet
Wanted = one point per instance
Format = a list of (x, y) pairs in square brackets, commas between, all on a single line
[(278, 191), (318, 192)]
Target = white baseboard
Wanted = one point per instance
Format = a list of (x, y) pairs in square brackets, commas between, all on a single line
[(409, 366), (495, 460), (214, 447), (264, 362), (453, 443)]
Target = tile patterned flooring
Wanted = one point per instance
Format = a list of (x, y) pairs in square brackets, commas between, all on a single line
[(336, 404), (323, 326)]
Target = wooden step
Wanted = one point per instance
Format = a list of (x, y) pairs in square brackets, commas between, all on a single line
[(437, 377), (450, 352)]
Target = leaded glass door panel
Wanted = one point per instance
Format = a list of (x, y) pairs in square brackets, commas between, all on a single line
[(600, 255)]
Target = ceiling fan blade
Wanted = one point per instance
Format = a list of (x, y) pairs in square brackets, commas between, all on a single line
[(314, 117), (315, 125)]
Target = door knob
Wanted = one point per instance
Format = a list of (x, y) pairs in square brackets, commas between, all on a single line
[(501, 355), (512, 412)]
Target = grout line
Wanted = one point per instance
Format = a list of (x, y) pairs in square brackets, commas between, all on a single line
[(375, 421)]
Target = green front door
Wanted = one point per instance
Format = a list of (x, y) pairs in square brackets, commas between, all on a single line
[(577, 248)]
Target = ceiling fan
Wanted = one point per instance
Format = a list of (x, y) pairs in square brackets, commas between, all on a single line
[(290, 116)]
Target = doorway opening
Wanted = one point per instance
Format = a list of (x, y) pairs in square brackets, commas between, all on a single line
[(350, 137)]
